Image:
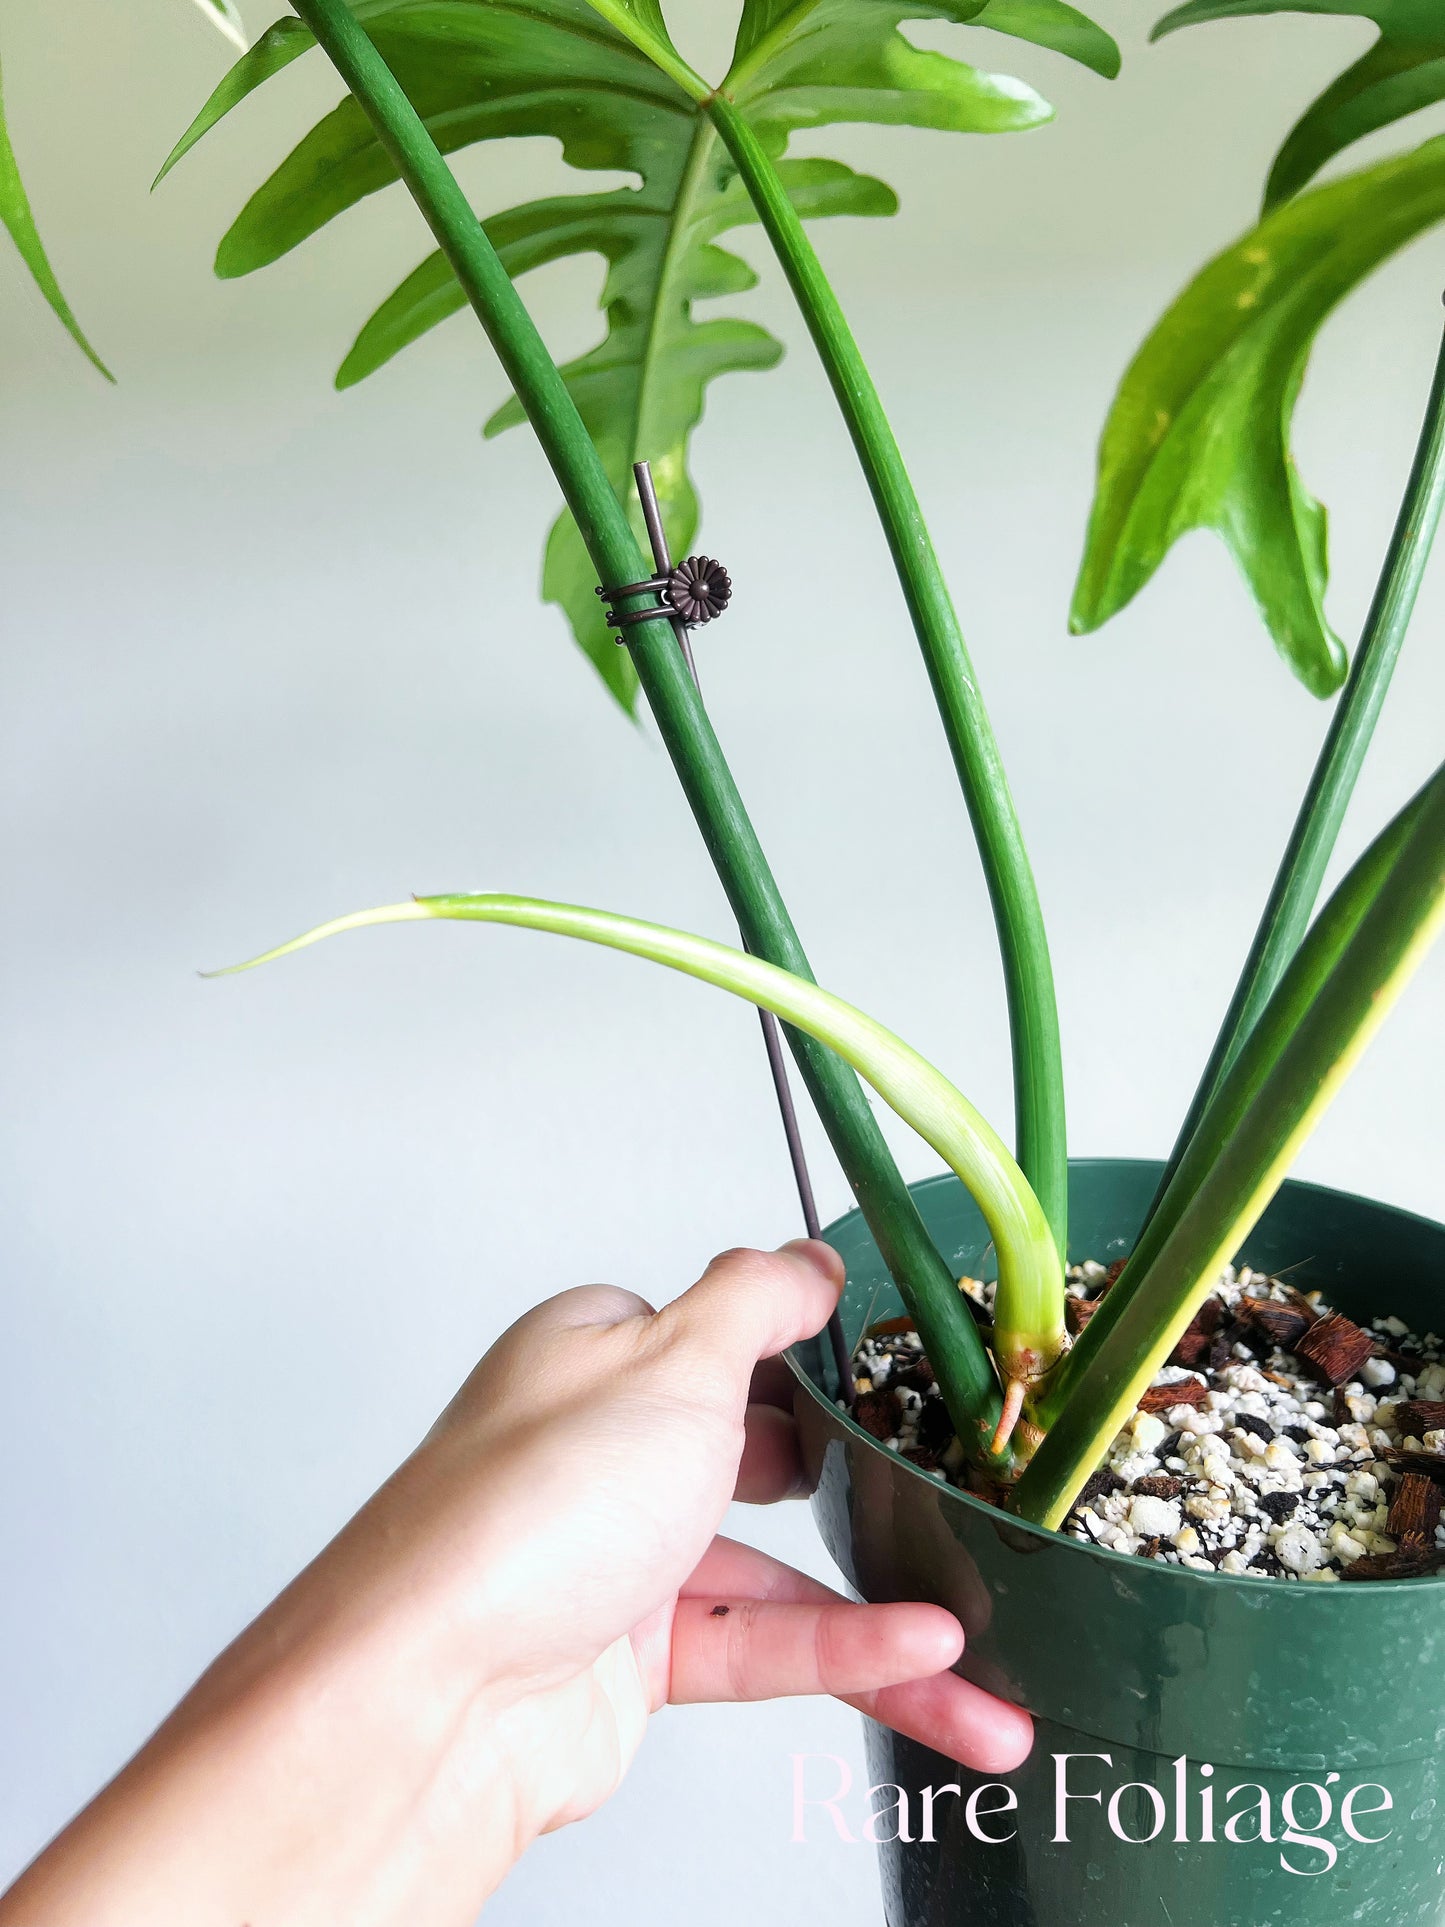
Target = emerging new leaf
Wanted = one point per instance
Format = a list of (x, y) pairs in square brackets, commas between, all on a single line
[(1198, 435), (1028, 1310)]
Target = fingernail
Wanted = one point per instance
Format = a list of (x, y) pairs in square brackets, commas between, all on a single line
[(822, 1257)]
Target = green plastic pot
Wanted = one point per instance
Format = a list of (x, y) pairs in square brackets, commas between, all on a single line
[(1272, 1684)]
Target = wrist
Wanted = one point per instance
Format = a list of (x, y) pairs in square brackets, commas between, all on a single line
[(344, 1747)]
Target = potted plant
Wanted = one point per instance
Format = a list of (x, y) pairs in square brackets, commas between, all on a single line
[(1218, 1743)]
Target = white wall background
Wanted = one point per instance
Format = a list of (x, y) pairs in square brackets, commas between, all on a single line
[(272, 653)]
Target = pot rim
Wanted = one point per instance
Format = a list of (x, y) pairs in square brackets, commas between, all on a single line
[(1125, 1561)]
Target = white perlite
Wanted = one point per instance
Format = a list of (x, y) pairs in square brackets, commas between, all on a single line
[(1153, 1518), (1272, 1474)]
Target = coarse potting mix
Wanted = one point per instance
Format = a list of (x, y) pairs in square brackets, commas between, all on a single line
[(1280, 1440)]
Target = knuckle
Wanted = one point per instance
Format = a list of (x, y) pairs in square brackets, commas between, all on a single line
[(740, 1257), (602, 1304)]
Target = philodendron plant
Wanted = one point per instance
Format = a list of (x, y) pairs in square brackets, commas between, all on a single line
[(1198, 437)]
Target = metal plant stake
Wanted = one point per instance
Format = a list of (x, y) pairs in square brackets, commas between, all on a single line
[(692, 593)]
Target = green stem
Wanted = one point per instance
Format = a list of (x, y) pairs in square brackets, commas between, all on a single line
[(1317, 827), (1334, 995), (1033, 1014), (965, 1375), (1305, 977)]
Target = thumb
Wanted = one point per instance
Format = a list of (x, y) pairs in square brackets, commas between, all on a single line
[(751, 1304)]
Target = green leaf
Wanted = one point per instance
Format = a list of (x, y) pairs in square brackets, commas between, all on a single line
[(1198, 435), (808, 64), (1312, 840), (276, 48), (1029, 1306), (1052, 24), (640, 23), (605, 80), (224, 15), (20, 222), (1403, 72), (643, 387), (1365, 946)]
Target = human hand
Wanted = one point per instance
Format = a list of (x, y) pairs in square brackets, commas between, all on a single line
[(616, 1436), (473, 1660)]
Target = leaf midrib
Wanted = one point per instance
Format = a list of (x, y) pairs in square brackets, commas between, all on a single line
[(742, 72), (685, 205), (684, 210)]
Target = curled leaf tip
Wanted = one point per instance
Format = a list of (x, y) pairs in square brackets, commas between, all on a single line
[(412, 911)]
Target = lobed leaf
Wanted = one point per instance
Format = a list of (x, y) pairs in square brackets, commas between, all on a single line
[(644, 386), (1403, 72), (604, 79), (814, 63), (1198, 434), (1053, 24)]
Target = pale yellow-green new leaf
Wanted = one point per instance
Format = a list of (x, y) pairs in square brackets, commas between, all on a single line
[(1029, 1307)]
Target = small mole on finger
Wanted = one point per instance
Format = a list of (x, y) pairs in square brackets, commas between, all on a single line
[(719, 1612)]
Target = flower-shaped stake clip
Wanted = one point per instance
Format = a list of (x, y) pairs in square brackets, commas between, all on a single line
[(695, 592), (699, 589)]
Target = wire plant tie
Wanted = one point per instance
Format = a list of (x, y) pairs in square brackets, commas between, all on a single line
[(698, 590), (692, 593)]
